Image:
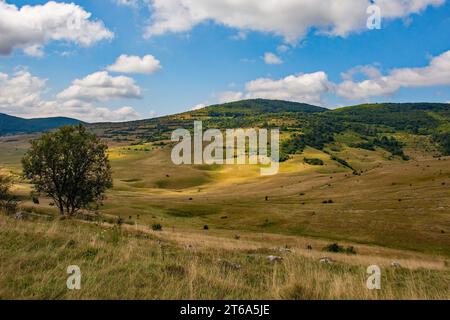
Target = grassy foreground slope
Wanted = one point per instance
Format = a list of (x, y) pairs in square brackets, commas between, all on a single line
[(135, 263)]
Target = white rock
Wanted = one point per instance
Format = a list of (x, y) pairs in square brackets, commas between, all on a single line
[(326, 260), (274, 258)]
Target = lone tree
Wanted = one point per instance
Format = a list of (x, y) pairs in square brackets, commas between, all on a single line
[(70, 166)]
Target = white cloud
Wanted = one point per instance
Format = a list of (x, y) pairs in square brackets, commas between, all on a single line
[(86, 111), (100, 86), (291, 19), (127, 3), (241, 35), (31, 27), (369, 71), (198, 106), (436, 73), (134, 64), (34, 51), (307, 88), (20, 95), (282, 48), (271, 58), (229, 96), (311, 87), (153, 114), (20, 90)]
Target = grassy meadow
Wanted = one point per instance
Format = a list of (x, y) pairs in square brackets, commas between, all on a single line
[(218, 228)]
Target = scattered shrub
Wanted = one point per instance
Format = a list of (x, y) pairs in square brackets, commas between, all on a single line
[(336, 248), (157, 227), (34, 198), (313, 161), (71, 244), (114, 235), (8, 202), (90, 253)]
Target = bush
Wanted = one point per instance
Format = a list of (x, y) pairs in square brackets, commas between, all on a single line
[(314, 161), (157, 227), (7, 202), (443, 139), (336, 248), (391, 145), (364, 145), (34, 198), (350, 250)]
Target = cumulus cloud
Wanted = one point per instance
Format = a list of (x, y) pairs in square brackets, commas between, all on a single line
[(153, 114), (271, 58), (134, 64), (127, 3), (20, 90), (369, 71), (241, 35), (100, 86), (282, 48), (230, 96), (31, 27), (291, 19), (307, 88), (20, 95), (198, 106), (86, 111), (311, 87), (436, 73)]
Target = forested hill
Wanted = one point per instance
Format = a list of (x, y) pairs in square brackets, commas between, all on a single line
[(258, 106), (371, 126), (415, 117), (15, 125)]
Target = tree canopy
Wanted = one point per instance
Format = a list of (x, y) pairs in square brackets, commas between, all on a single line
[(70, 166)]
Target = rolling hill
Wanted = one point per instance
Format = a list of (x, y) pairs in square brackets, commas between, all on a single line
[(370, 125), (370, 178), (14, 125)]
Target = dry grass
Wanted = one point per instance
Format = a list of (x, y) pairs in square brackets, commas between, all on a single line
[(186, 262), (139, 264)]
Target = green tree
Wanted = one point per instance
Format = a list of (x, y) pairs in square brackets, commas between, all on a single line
[(7, 201), (70, 166), (5, 184)]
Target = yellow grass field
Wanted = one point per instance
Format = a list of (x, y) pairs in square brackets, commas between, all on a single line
[(394, 212)]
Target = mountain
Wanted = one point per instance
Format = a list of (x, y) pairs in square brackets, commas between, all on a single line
[(258, 106), (370, 125), (15, 125)]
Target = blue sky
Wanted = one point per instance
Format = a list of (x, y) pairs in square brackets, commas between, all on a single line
[(206, 58)]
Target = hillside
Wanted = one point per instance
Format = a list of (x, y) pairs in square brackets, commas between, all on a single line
[(14, 125), (257, 107), (371, 126), (373, 178)]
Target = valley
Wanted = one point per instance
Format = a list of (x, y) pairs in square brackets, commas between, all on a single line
[(219, 223)]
